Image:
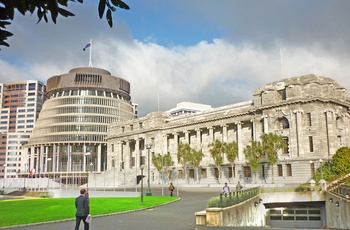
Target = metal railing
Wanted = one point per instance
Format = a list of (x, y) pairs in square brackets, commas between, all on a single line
[(222, 201)]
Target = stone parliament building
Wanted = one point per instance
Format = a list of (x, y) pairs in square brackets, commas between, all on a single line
[(310, 112)]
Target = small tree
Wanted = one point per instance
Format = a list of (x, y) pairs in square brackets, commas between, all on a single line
[(271, 144), (163, 162), (253, 152), (217, 153), (168, 164), (184, 156), (196, 158), (341, 161), (231, 150)]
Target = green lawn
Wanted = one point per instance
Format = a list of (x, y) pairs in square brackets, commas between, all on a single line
[(25, 211)]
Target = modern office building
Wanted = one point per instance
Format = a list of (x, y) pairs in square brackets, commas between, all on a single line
[(70, 135), (20, 104), (310, 112)]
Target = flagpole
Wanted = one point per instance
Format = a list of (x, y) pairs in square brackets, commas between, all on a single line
[(90, 62), (282, 63)]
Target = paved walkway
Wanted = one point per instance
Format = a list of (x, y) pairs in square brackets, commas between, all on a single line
[(175, 216)]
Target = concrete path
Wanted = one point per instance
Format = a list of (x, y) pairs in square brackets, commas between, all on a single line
[(175, 216)]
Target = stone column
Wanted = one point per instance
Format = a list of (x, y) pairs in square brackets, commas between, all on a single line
[(165, 143), (224, 133), (54, 159), (138, 150), (41, 156), (199, 139), (127, 155), (266, 123), (299, 132), (330, 134), (99, 154), (211, 134), (253, 129), (239, 140), (187, 139)]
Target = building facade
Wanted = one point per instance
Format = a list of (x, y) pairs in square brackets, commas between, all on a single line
[(70, 135), (21, 103), (310, 112)]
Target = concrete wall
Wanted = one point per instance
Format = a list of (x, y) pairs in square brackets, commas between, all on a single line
[(243, 214), (337, 215)]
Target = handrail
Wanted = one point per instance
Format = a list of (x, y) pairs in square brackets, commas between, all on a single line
[(236, 197)]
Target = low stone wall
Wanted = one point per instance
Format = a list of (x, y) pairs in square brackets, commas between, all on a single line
[(74, 193), (247, 213), (338, 211)]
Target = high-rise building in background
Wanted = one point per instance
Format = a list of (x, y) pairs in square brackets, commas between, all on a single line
[(70, 135), (21, 103)]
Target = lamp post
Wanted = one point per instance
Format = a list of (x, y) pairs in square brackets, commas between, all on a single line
[(113, 165), (321, 161), (48, 176), (87, 170), (148, 192), (142, 167), (4, 185)]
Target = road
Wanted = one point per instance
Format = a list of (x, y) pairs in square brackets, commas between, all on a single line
[(178, 215)]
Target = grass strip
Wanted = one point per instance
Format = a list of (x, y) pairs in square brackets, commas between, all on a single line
[(27, 211)]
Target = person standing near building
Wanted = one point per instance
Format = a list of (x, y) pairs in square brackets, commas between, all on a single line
[(83, 210), (226, 189), (171, 189), (238, 187)]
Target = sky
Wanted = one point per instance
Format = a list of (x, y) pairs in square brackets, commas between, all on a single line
[(203, 51)]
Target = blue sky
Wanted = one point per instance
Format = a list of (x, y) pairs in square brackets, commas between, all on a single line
[(204, 51)]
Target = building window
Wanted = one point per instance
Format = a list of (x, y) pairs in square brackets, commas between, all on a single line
[(203, 173), (279, 170), (311, 144), (179, 172), (286, 147), (32, 86), (312, 168), (191, 173), (309, 120), (289, 169), (284, 123), (247, 171), (282, 94), (216, 173), (230, 169)]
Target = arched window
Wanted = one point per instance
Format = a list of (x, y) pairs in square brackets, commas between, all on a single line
[(284, 123)]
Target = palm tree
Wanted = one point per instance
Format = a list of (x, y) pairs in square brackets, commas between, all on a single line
[(271, 144), (163, 162), (253, 152), (196, 158), (217, 153), (184, 156), (231, 150)]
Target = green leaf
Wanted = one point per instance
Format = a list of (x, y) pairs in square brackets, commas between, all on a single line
[(120, 4), (101, 8), (109, 18), (22, 7), (53, 8), (64, 12)]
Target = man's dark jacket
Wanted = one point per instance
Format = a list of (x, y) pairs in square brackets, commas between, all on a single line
[(82, 206)]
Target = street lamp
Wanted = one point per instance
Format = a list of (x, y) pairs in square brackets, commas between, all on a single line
[(91, 165), (148, 192), (321, 161), (142, 168), (87, 170), (4, 185), (113, 165)]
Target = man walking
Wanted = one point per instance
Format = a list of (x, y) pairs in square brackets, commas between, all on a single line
[(83, 210)]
